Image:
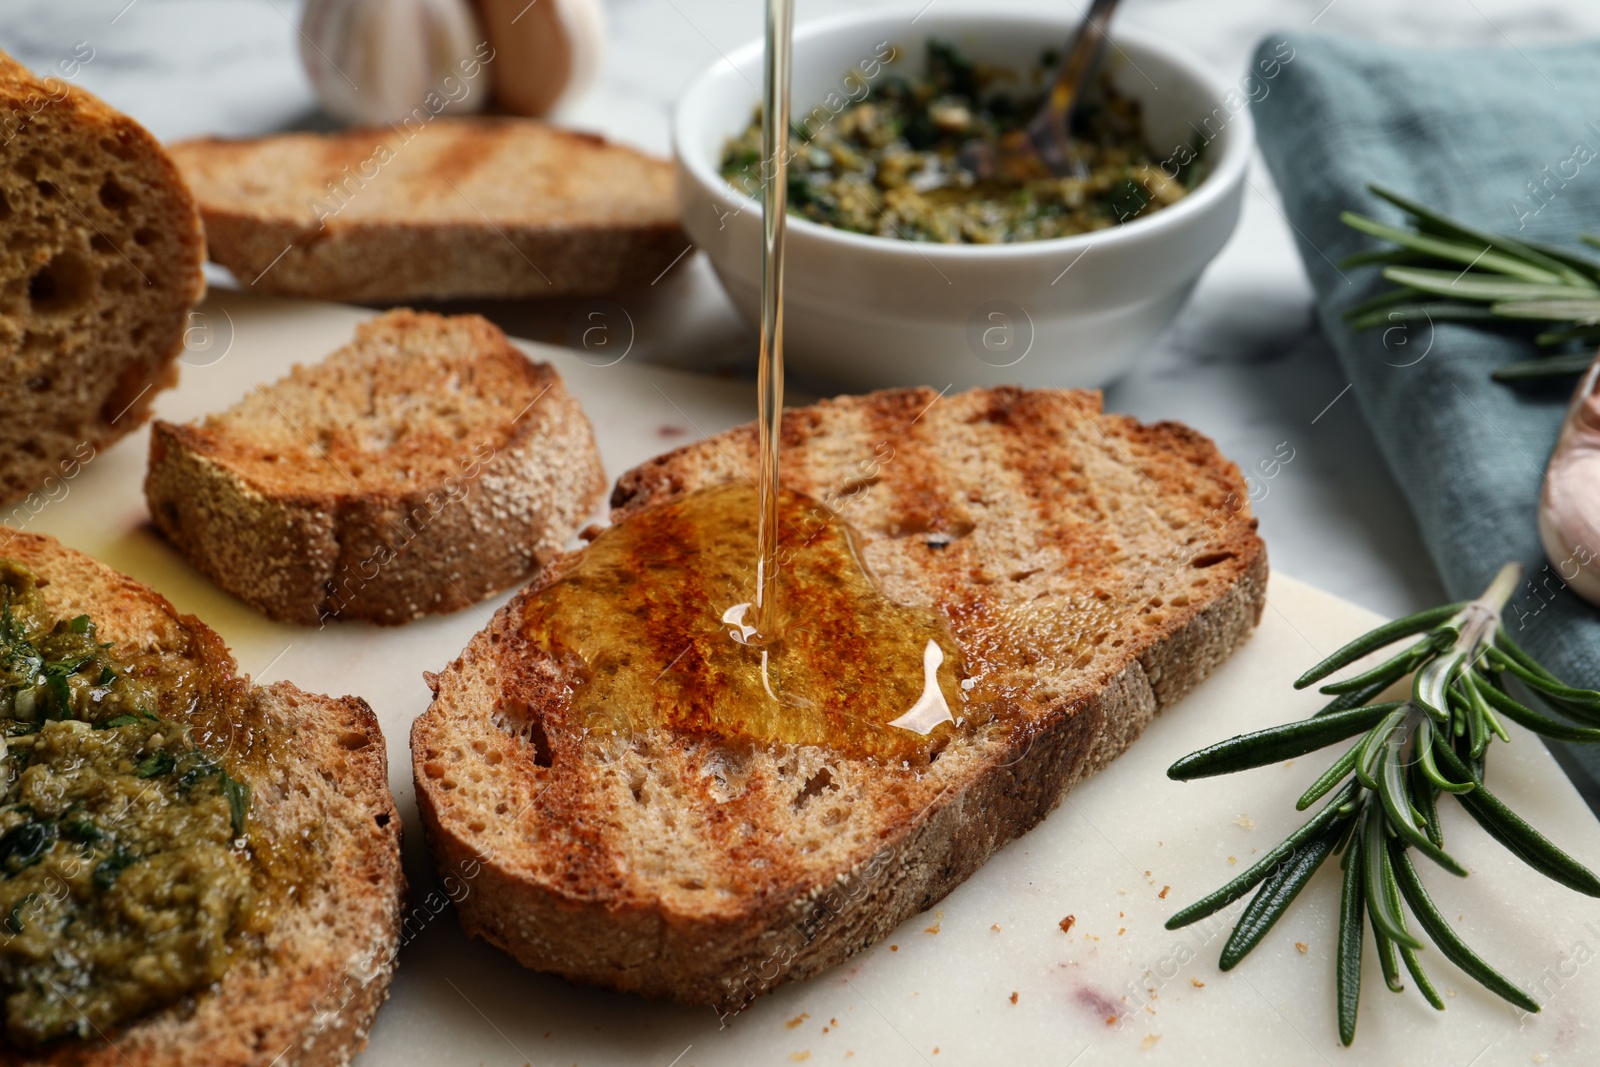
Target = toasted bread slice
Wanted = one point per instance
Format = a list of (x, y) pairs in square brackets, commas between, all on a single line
[(422, 467), (1093, 569), (99, 268), (308, 993), (448, 208)]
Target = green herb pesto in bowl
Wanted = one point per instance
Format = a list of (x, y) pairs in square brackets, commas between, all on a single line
[(886, 165), (125, 875)]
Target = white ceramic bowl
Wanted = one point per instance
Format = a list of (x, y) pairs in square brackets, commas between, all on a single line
[(864, 312)]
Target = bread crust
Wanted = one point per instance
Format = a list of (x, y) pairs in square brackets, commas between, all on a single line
[(384, 549), (100, 269), (770, 878), (458, 208), (308, 996)]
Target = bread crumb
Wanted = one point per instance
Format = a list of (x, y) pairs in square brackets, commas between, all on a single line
[(936, 1050), (995, 927), (1111, 1020), (1243, 822), (1122, 914), (1149, 1041), (1164, 891), (833, 1022), (800, 1057), (1232, 860), (932, 929), (1121, 930), (1066, 924), (1301, 947), (1539, 1057), (824, 1029), (797, 1020), (894, 948), (1122, 892), (1288, 763), (1197, 983)]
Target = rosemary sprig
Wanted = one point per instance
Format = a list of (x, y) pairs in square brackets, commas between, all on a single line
[(1447, 271), (1407, 754)]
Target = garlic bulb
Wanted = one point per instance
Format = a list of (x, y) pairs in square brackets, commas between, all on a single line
[(384, 61), (547, 51), (1569, 506)]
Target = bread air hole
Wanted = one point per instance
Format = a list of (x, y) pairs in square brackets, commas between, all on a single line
[(114, 196), (814, 787), (62, 285)]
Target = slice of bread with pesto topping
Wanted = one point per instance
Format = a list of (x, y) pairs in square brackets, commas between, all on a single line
[(1092, 570), (98, 270), (295, 967), (424, 466)]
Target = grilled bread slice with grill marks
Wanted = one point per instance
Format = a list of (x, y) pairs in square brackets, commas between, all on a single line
[(98, 271), (499, 207), (306, 994), (1092, 569), (426, 465)]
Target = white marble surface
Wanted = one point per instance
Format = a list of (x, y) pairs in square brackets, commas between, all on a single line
[(1244, 362)]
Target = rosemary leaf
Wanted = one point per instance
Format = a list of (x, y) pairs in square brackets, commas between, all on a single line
[(1514, 832), (1384, 918), (1450, 945), (1434, 311), (1347, 960), (1541, 680), (1473, 285), (1543, 367), (1565, 264), (1425, 795), (1384, 635), (1414, 965), (1396, 801), (1353, 699), (1574, 308), (1247, 881), (1469, 253), (1428, 765), (1371, 745), (1536, 721), (1276, 896), (1331, 777), (1383, 257), (1582, 266), (1277, 743), (1430, 687)]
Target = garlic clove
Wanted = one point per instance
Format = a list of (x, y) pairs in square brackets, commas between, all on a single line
[(383, 61), (1569, 504), (546, 51)]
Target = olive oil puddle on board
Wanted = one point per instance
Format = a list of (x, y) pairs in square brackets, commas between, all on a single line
[(643, 612)]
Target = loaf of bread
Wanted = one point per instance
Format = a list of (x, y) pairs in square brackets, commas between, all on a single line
[(424, 466), (99, 268), (449, 208)]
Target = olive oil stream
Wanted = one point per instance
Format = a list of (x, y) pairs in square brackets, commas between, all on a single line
[(668, 628)]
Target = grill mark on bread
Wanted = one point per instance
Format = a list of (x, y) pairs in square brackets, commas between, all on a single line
[(470, 150)]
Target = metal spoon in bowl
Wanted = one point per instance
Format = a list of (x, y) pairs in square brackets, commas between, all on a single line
[(1044, 147)]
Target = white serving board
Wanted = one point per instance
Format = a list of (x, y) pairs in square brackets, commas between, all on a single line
[(940, 990)]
